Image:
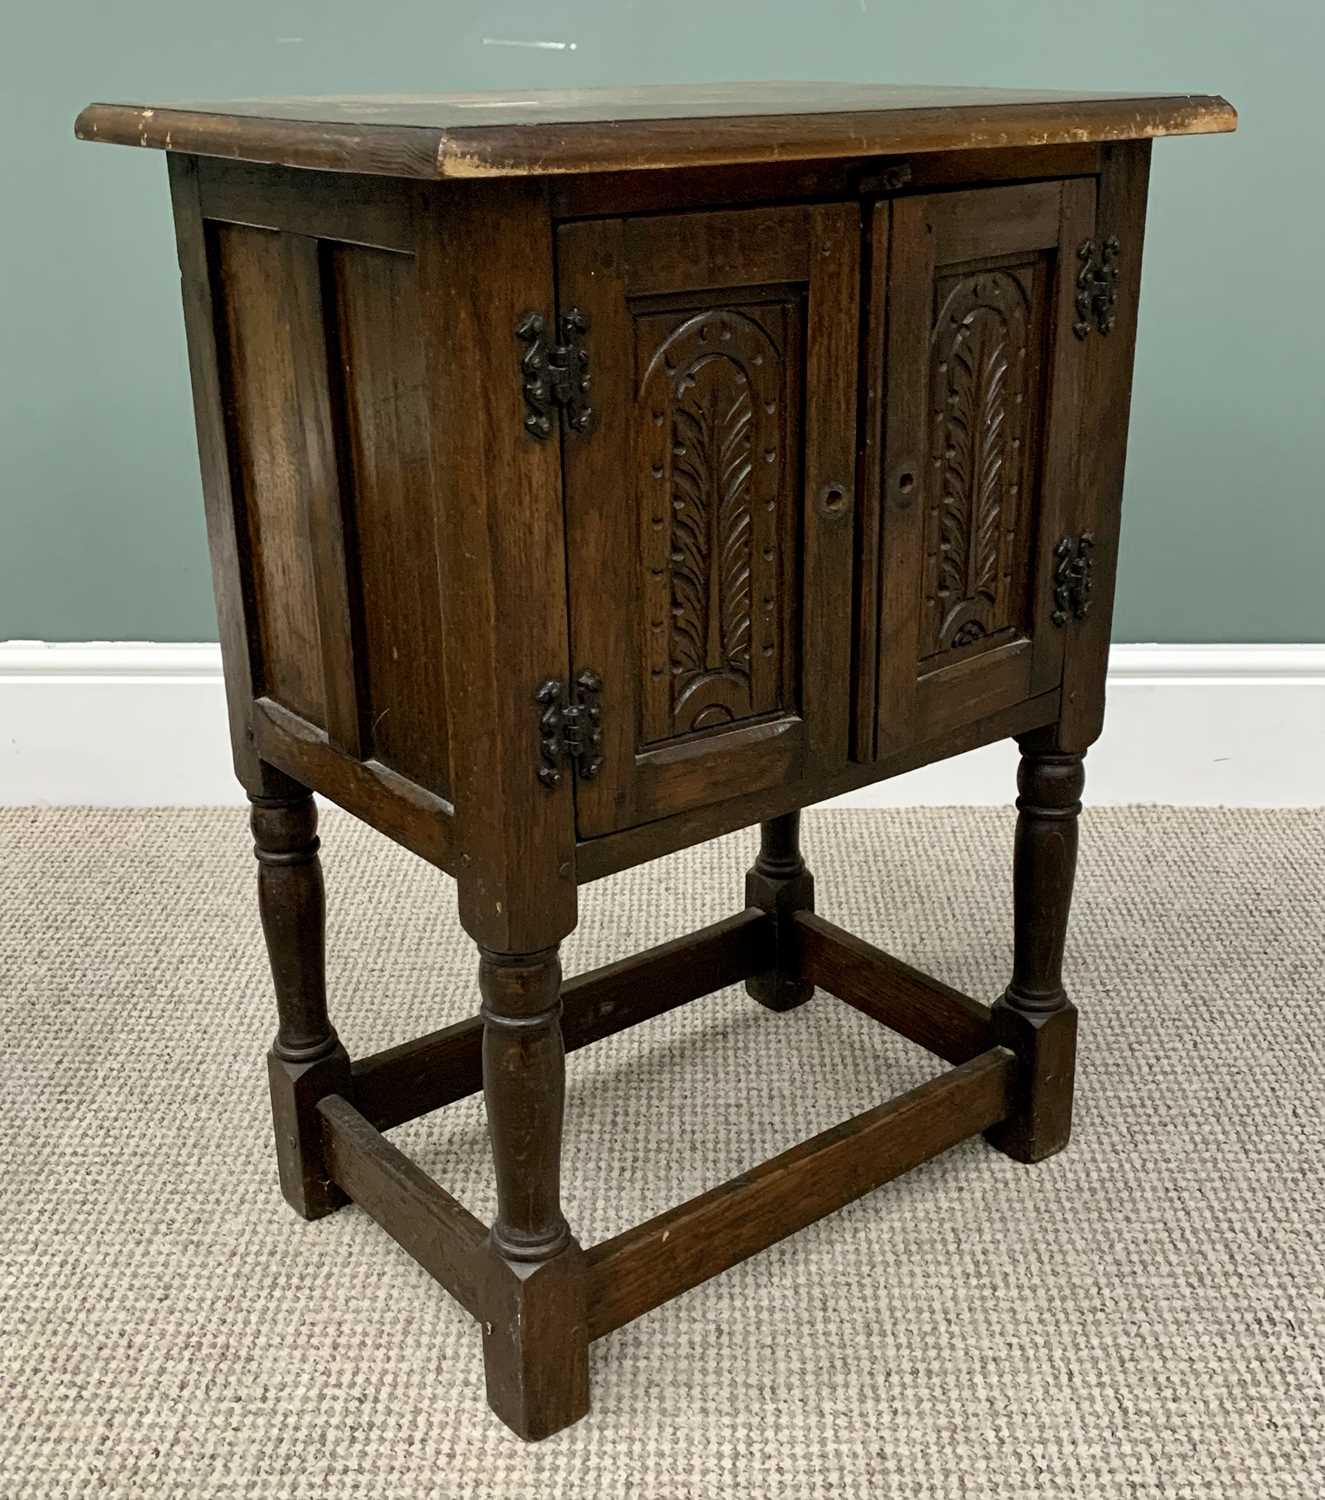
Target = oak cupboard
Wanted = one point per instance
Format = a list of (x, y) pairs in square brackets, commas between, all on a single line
[(590, 474)]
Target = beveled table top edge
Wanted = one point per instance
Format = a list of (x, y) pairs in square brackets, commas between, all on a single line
[(560, 132)]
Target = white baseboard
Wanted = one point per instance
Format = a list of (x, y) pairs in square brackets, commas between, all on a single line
[(119, 724)]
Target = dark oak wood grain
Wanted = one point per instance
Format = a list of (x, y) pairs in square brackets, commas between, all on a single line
[(537, 1364), (325, 522), (261, 334), (780, 884), (974, 488), (589, 474), (382, 418), (709, 331), (1033, 1016), (393, 804), (333, 206), (306, 1060), (402, 1082), (224, 530), (422, 1218), (536, 1342), (500, 537), (524, 1089), (562, 131), (1123, 187), (593, 195), (642, 1267), (613, 852), (924, 1010)]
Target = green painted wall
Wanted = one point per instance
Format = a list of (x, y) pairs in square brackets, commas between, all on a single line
[(101, 534)]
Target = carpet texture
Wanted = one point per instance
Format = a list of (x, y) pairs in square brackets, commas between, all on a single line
[(1140, 1316)]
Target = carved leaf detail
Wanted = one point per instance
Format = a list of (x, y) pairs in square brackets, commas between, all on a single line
[(711, 407), (979, 390), (952, 546), (735, 530), (711, 522), (691, 466), (987, 353)]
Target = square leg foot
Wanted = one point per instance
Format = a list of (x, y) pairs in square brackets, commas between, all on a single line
[(779, 991), (536, 1341), (1045, 1043), (781, 987), (296, 1088)]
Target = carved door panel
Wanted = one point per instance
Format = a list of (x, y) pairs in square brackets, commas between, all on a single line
[(974, 478), (709, 511)]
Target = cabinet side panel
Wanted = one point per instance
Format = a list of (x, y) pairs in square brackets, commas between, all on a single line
[(382, 427), (1121, 213), (223, 529), (269, 473)]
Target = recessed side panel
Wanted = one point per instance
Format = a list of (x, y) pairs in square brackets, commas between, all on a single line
[(305, 352), (269, 473), (381, 420)]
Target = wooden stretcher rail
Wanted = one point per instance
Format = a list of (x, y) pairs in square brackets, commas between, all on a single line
[(924, 1010), (410, 1080), (421, 1216), (646, 1266)]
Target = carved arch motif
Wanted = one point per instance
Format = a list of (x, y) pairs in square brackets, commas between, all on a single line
[(711, 423), (981, 402)]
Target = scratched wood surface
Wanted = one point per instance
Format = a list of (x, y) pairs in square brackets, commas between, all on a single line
[(556, 131)]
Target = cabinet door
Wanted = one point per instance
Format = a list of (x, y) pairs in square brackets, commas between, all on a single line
[(710, 506), (980, 409)]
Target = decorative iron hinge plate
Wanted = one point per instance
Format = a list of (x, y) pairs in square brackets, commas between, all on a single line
[(555, 373), (1097, 286), (569, 727), (1073, 563)]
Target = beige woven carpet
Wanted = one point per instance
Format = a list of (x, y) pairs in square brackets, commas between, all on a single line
[(1140, 1316)]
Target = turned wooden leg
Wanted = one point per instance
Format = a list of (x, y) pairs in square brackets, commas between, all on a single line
[(306, 1061), (536, 1342), (779, 883), (1034, 1016)]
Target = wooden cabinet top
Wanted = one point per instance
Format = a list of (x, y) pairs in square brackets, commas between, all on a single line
[(548, 131)]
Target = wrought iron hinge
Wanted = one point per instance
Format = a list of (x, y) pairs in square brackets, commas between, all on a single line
[(1097, 286), (1072, 577), (569, 727), (555, 373)]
